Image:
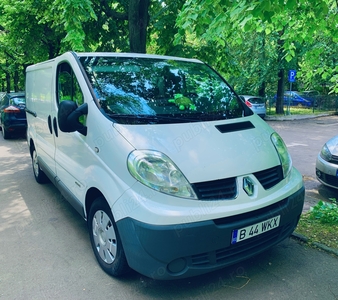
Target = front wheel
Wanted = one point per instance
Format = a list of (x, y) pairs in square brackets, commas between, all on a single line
[(105, 239)]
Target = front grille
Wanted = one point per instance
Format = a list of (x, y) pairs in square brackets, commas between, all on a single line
[(334, 159), (217, 189), (224, 189), (270, 177), (329, 179)]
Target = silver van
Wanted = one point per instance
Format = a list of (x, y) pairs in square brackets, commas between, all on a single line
[(173, 173)]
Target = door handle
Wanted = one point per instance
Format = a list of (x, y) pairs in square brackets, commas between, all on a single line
[(55, 126), (50, 124)]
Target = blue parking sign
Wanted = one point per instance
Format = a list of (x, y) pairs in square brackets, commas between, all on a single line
[(292, 75)]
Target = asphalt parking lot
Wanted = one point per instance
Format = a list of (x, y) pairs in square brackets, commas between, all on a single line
[(45, 251)]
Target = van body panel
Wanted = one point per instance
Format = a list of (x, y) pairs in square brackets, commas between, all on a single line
[(179, 251), (198, 149), (40, 97)]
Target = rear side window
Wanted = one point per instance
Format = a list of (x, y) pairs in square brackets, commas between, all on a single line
[(17, 101), (256, 100)]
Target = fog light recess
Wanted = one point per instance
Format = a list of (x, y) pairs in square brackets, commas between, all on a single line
[(177, 265)]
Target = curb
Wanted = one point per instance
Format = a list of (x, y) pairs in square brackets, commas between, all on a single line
[(304, 239), (295, 117)]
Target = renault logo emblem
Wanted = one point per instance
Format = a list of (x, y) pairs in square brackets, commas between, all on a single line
[(248, 186)]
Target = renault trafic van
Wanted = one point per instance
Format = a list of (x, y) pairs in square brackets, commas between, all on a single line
[(173, 173)]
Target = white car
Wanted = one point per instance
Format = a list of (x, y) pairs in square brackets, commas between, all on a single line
[(173, 173), (257, 104), (327, 163)]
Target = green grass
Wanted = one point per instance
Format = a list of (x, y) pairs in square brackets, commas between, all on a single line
[(297, 111), (320, 224)]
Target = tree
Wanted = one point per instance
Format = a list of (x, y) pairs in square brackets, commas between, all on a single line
[(298, 21), (33, 31)]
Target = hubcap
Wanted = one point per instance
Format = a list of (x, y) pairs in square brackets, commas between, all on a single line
[(104, 236)]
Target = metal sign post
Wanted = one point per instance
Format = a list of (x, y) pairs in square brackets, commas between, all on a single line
[(292, 78)]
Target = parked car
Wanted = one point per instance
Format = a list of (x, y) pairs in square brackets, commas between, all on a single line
[(12, 114), (327, 163), (294, 98), (257, 104)]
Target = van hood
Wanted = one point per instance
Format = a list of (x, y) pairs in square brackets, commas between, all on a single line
[(206, 151)]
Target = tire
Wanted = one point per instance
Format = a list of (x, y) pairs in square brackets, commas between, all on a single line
[(5, 133), (39, 175), (105, 239)]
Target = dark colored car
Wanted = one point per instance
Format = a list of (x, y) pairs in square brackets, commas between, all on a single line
[(13, 114)]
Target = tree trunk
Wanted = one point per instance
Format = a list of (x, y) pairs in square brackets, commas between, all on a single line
[(138, 21), (16, 79), (8, 78), (280, 87), (280, 93)]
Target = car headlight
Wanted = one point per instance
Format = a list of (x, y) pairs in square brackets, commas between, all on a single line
[(283, 153), (325, 153), (157, 171)]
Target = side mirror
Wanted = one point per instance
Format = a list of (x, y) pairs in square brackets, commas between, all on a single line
[(68, 117)]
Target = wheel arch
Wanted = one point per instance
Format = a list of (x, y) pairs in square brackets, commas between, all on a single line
[(31, 147), (92, 194)]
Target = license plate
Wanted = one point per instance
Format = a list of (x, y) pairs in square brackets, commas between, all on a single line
[(239, 235)]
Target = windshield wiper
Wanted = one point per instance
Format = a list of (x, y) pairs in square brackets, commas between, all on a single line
[(154, 119)]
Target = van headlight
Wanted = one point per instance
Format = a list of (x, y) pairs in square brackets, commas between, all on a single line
[(157, 171), (283, 153)]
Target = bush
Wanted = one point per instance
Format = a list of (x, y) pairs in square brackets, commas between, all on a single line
[(325, 212)]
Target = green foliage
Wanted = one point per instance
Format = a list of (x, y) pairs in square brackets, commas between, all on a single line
[(318, 232), (320, 224), (72, 14), (325, 212), (162, 27), (247, 41), (295, 25)]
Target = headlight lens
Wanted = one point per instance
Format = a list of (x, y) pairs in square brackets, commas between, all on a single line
[(283, 153), (157, 171), (325, 153)]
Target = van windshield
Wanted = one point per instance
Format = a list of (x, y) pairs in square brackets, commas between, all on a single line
[(138, 90)]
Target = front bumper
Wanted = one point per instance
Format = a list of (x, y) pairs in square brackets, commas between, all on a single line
[(326, 172), (167, 252)]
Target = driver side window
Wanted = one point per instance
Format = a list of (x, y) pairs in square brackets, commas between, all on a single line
[(68, 87)]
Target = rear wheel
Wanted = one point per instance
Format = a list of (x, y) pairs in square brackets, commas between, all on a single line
[(105, 239), (5, 133), (39, 175)]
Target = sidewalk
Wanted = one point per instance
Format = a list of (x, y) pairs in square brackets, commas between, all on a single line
[(295, 117)]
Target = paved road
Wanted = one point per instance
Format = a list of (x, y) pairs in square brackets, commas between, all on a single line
[(304, 139), (45, 251)]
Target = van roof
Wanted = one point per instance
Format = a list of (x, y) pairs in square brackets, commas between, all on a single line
[(133, 55)]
